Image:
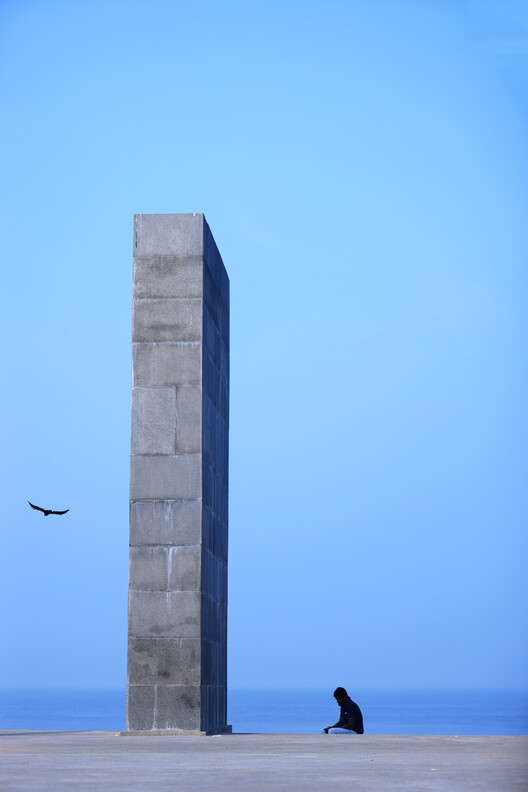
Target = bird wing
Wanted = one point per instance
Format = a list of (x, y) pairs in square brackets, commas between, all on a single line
[(36, 507), (62, 512)]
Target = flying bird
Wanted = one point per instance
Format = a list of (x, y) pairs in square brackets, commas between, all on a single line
[(47, 511)]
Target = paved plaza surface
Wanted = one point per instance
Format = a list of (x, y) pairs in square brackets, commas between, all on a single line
[(33, 761)]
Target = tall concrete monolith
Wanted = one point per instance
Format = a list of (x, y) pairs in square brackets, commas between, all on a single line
[(177, 623)]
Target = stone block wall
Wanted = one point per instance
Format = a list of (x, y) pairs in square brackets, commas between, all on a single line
[(177, 662)]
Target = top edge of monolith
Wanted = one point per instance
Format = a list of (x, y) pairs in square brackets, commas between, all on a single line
[(180, 235), (169, 234)]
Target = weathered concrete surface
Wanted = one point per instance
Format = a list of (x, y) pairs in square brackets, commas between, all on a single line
[(177, 627), (33, 761)]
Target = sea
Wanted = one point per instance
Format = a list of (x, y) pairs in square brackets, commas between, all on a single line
[(492, 712)]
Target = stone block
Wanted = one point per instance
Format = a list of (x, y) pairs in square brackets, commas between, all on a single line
[(213, 674), (171, 614), (207, 662), (220, 458), (221, 500), (211, 253), (208, 489), (214, 534), (223, 401), (153, 420), (208, 427), (211, 540), (215, 704), (222, 695), (166, 477), (225, 455), (223, 581), (165, 522), (211, 575), (211, 379), (207, 704), (178, 707), (168, 276), (185, 573), (167, 364), (148, 569), (211, 336), (211, 297), (217, 498), (215, 264), (140, 708), (167, 320), (223, 356), (218, 623), (169, 235), (207, 573), (223, 666), (212, 619), (207, 526), (159, 661), (223, 622), (223, 326), (207, 618), (189, 423)]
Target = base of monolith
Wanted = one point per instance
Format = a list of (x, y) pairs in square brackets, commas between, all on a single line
[(177, 733)]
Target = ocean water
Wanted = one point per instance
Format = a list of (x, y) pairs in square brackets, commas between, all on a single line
[(287, 711), (384, 712)]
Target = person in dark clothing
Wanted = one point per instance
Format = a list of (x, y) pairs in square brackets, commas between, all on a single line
[(350, 719)]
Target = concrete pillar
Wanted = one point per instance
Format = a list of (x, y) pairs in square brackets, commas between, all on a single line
[(177, 622)]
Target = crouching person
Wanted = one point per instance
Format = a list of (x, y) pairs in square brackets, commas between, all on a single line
[(350, 720)]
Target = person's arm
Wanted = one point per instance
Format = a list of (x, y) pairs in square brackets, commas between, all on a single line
[(338, 725)]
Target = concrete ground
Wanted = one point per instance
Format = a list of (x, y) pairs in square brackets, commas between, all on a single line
[(55, 761)]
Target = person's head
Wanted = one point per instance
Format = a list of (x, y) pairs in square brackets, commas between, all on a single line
[(340, 695)]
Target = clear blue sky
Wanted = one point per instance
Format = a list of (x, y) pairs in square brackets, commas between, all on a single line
[(363, 167)]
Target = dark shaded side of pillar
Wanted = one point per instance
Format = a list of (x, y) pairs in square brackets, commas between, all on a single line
[(177, 623)]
